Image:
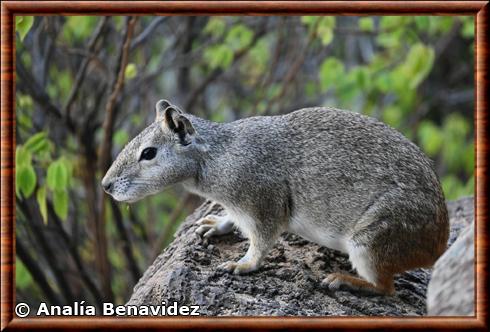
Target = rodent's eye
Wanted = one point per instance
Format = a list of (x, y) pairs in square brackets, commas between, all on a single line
[(148, 154)]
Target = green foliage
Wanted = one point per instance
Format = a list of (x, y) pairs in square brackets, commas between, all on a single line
[(431, 137), (23, 24), (330, 71), (218, 56), (366, 24), (25, 176), (60, 203), (416, 67), (42, 203), (216, 27), (37, 148), (238, 37), (121, 137), (322, 26), (23, 278), (38, 143), (78, 27), (57, 176), (131, 71)]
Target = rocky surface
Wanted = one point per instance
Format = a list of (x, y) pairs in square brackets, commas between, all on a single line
[(451, 290), (288, 283)]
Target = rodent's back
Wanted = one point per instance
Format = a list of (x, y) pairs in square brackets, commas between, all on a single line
[(337, 163)]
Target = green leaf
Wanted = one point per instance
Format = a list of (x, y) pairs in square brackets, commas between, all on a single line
[(24, 101), (25, 180), (22, 276), (469, 188), (130, 72), (57, 176), (23, 24), (218, 56), (469, 158), (431, 137), (41, 201), (366, 24), (451, 186), (239, 37), (216, 27), (325, 29), (37, 143), (393, 116), (60, 203), (79, 27), (309, 21), (330, 70), (421, 59), (22, 156), (468, 29), (325, 34), (422, 23), (392, 22), (121, 137)]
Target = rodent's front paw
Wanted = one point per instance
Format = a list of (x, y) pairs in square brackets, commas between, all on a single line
[(237, 267), (213, 225)]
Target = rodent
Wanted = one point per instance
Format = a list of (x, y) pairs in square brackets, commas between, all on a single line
[(338, 178)]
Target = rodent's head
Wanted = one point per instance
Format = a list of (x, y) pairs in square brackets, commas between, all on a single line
[(163, 153)]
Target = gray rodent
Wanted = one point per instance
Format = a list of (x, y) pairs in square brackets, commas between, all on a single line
[(341, 179)]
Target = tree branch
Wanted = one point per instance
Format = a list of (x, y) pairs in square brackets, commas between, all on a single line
[(85, 276), (126, 242), (83, 68), (35, 271), (192, 99), (108, 124), (147, 32)]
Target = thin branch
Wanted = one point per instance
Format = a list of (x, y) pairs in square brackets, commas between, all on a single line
[(72, 249), (64, 286), (291, 74), (83, 68), (104, 158), (193, 96), (105, 149), (147, 32), (166, 233), (126, 243), (36, 91), (35, 271)]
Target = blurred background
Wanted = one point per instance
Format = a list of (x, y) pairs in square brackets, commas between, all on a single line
[(86, 85)]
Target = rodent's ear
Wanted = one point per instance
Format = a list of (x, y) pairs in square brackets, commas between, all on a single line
[(160, 107), (179, 124)]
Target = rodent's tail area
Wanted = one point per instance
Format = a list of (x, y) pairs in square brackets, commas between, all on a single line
[(401, 237)]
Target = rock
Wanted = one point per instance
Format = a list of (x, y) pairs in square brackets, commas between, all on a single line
[(451, 290), (287, 284)]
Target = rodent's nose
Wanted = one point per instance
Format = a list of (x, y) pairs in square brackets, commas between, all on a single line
[(107, 186)]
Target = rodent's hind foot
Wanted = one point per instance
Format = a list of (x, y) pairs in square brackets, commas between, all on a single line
[(238, 267), (335, 281), (214, 225)]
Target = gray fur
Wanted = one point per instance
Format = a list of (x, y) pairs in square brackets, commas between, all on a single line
[(335, 177)]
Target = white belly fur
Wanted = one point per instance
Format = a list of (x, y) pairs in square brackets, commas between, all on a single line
[(300, 225)]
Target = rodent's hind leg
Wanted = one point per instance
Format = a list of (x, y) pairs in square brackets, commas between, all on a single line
[(373, 279), (214, 225)]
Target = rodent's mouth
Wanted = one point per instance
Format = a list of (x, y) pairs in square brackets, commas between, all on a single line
[(125, 199)]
